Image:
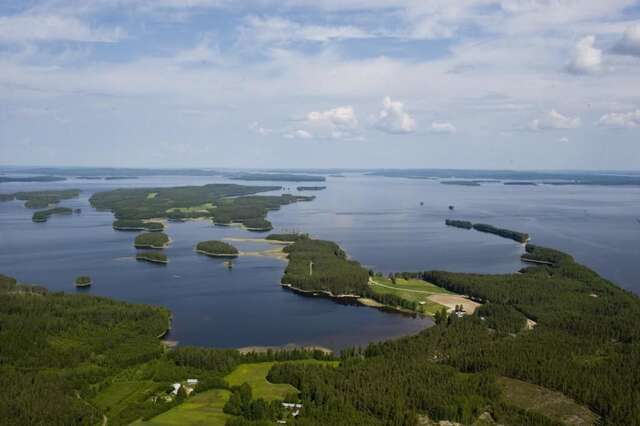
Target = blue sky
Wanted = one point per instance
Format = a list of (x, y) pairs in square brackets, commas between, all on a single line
[(519, 84)]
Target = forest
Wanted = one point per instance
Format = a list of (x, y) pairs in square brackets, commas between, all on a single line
[(287, 237), (316, 265), (137, 225), (584, 344), (216, 248), (65, 357)]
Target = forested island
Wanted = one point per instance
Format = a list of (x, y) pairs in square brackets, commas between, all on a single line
[(224, 204), (8, 179), (276, 177), (519, 237), (151, 240), (41, 199), (83, 281), (287, 237), (43, 215), (137, 225), (311, 188), (216, 249), (153, 257)]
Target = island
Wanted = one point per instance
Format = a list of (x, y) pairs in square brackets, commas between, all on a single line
[(120, 177), (152, 240), (464, 224), (42, 199), (7, 197), (43, 215), (83, 281), (461, 182), (8, 179), (519, 237), (216, 248), (152, 257), (137, 225), (520, 183), (311, 188), (224, 204), (276, 177)]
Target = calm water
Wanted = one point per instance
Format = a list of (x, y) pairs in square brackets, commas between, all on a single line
[(379, 221)]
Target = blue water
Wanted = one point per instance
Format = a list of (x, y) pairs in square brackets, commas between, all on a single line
[(378, 221)]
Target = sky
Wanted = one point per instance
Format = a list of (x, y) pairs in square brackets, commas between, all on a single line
[(485, 84)]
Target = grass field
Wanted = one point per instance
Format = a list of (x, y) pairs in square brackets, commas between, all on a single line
[(206, 408), (413, 290), (200, 208), (201, 409), (119, 394), (550, 403)]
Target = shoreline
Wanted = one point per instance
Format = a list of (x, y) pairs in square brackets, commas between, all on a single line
[(206, 253), (362, 301), (150, 260)]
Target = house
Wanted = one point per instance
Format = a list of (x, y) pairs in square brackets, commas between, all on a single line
[(176, 388), (291, 406)]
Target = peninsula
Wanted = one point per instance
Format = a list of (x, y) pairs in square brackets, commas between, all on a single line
[(137, 225), (43, 215)]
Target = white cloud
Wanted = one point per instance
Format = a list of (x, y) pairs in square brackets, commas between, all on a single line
[(336, 123), (563, 140), (629, 44), (257, 128), (23, 28), (554, 120), (629, 119), (394, 119), (443, 127), (280, 30), (585, 58)]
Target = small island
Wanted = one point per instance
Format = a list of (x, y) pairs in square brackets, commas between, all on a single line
[(311, 188), (216, 248), (464, 224), (137, 225), (83, 281), (151, 240), (152, 257), (43, 215), (7, 179), (516, 236)]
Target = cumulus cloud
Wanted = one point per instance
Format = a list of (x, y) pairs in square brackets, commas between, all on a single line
[(585, 58), (443, 127), (629, 44), (628, 120), (336, 123), (394, 119), (554, 120), (22, 28)]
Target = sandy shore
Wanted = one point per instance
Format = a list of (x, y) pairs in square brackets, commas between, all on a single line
[(451, 300)]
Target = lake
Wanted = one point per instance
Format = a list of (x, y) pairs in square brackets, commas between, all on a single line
[(379, 221)]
